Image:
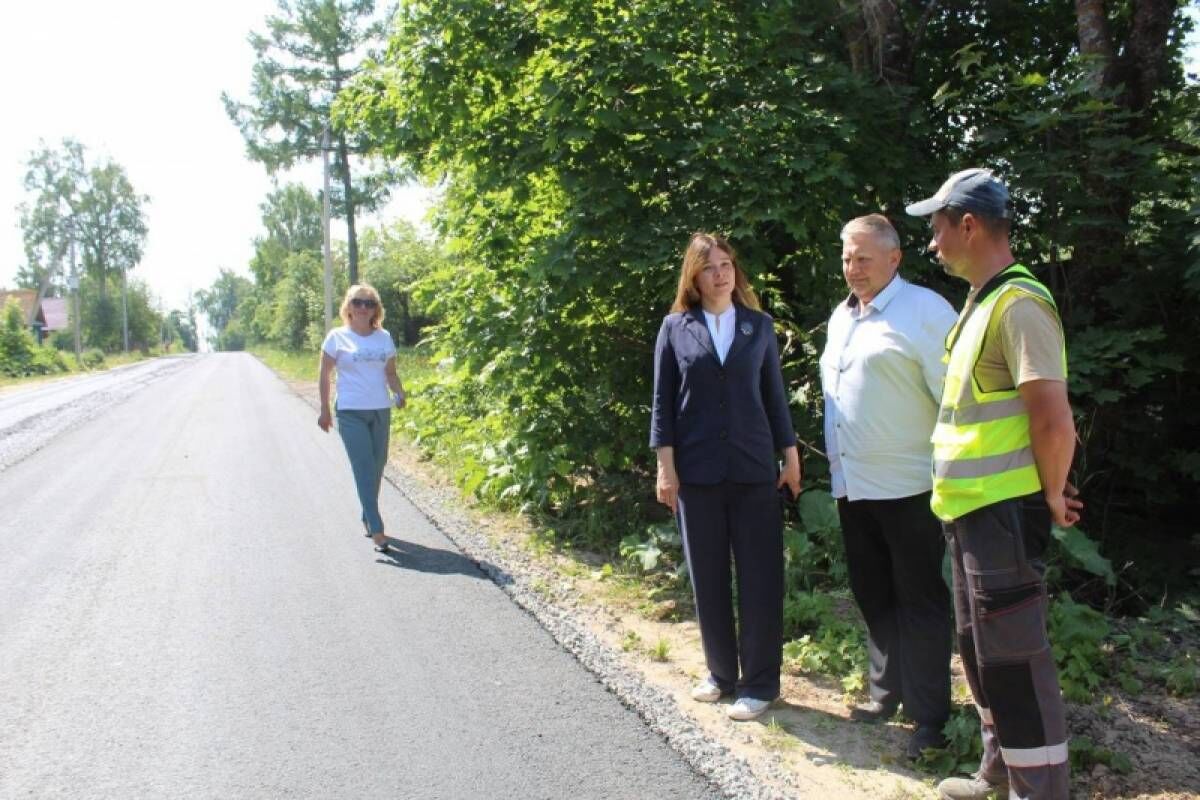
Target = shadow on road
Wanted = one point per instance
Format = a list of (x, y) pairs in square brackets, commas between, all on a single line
[(410, 555)]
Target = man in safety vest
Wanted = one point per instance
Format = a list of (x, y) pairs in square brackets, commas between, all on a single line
[(1002, 447)]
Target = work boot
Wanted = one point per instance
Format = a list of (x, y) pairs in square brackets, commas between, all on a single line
[(972, 788)]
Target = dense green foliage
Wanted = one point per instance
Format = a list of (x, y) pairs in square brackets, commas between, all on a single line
[(85, 215), (284, 305), (20, 354), (579, 143)]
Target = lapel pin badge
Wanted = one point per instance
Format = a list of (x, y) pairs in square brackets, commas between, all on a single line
[(747, 329)]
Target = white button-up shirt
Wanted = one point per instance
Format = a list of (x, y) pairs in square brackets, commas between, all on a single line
[(881, 375), (720, 328)]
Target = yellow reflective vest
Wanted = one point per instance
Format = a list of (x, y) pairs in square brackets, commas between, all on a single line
[(981, 446)]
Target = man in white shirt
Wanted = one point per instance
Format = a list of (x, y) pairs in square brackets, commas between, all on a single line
[(881, 373)]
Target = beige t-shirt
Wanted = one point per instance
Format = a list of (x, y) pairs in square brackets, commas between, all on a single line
[(1029, 347)]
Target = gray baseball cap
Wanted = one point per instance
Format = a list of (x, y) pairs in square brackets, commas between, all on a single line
[(976, 190)]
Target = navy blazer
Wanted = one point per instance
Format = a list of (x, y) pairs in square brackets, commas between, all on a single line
[(728, 421)]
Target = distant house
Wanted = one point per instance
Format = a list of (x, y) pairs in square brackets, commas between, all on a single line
[(51, 316), (54, 312)]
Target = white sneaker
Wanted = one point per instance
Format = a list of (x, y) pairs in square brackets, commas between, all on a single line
[(706, 691), (746, 708)]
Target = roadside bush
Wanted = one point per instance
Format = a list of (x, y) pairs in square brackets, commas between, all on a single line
[(20, 354), (47, 361), (813, 551), (1077, 634), (1182, 674), (233, 337), (92, 358), (16, 342), (661, 546), (837, 648), (963, 746)]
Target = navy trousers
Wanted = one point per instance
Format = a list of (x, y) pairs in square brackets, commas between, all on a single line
[(745, 521), (894, 551)]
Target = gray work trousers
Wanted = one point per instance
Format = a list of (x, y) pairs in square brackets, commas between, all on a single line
[(1000, 620)]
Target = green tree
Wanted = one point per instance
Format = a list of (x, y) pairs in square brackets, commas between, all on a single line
[(297, 303), (112, 229), (181, 328), (396, 259), (309, 52), (54, 178), (16, 342), (220, 303), (291, 216), (578, 148), (93, 206), (579, 144)]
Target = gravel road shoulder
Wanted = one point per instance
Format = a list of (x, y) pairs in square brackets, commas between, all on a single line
[(33, 415)]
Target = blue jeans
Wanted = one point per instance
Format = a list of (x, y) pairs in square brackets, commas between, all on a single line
[(365, 435)]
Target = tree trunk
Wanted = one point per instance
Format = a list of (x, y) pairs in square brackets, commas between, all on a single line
[(1146, 53), (101, 272), (1138, 73), (878, 41), (857, 44), (406, 331), (1094, 39), (347, 188)]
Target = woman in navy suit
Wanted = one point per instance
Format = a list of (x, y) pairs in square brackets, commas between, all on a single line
[(719, 419)]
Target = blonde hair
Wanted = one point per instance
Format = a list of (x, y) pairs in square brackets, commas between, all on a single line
[(363, 290), (695, 259)]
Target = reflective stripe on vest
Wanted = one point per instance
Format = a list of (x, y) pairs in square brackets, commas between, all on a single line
[(981, 445)]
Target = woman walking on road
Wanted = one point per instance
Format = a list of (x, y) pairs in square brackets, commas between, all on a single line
[(719, 419), (364, 356)]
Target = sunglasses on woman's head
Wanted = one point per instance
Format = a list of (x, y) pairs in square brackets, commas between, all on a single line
[(362, 302)]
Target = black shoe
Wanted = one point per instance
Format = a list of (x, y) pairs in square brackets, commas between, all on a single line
[(923, 737), (873, 711)]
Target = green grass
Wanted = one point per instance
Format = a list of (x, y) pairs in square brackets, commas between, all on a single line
[(300, 365), (110, 360), (660, 652), (291, 364)]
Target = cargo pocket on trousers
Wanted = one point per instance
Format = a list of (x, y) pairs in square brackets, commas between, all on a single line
[(1011, 623)]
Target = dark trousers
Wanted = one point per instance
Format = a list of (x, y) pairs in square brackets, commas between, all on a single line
[(894, 551), (747, 520), (1000, 613)]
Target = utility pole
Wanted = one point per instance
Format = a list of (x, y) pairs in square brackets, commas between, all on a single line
[(73, 284), (325, 231), (124, 311)]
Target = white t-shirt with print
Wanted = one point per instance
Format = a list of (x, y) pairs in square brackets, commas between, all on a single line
[(361, 380)]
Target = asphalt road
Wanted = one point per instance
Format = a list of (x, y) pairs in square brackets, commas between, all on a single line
[(188, 608)]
